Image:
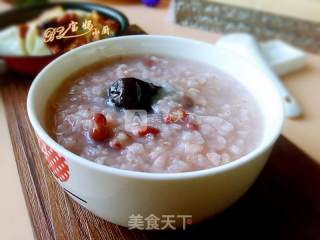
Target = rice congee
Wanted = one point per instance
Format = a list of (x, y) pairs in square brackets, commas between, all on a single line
[(155, 114)]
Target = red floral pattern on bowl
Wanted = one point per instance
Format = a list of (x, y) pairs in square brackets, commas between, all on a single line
[(56, 163)]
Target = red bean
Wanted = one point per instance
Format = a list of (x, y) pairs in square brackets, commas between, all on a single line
[(120, 140), (143, 131), (99, 132), (192, 126), (114, 144)]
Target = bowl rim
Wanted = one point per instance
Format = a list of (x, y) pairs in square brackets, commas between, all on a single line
[(44, 136), (85, 6)]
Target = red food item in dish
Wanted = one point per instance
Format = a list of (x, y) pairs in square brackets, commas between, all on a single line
[(143, 131), (120, 140), (99, 132), (114, 144), (23, 29), (192, 126)]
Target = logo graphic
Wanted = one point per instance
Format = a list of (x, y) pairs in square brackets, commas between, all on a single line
[(134, 119), (56, 33), (152, 222)]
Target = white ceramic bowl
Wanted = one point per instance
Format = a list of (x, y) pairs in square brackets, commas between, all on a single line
[(115, 194)]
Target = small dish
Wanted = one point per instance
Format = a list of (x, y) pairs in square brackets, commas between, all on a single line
[(33, 64)]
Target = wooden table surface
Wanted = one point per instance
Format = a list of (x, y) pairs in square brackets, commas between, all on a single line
[(304, 132)]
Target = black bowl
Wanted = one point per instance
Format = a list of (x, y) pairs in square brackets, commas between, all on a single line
[(33, 64)]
